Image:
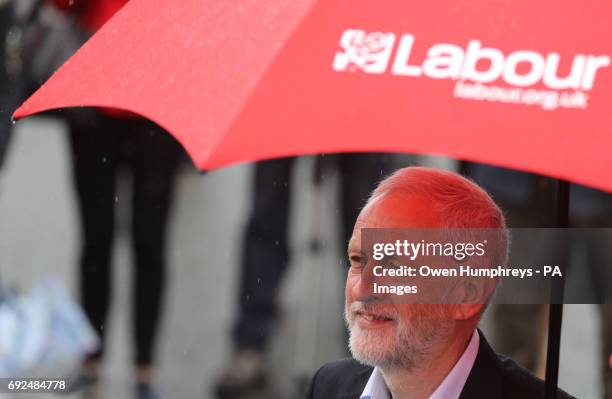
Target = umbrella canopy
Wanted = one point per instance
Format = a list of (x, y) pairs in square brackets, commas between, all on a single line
[(518, 84)]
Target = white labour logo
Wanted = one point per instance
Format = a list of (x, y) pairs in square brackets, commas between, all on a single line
[(371, 53)]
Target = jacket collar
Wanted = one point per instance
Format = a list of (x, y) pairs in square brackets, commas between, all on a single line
[(485, 379), (357, 389), (483, 382)]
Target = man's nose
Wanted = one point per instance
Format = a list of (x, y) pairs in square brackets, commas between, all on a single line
[(363, 288)]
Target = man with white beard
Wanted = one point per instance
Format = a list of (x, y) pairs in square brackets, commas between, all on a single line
[(419, 351)]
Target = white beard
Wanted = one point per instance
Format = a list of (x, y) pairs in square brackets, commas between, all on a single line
[(403, 346)]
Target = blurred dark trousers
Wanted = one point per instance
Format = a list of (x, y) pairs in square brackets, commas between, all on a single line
[(11, 87), (265, 252), (99, 147), (517, 326), (527, 202)]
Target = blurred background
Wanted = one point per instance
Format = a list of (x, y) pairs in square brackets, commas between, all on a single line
[(246, 282), (39, 234)]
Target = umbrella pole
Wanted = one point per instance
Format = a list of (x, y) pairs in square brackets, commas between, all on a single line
[(555, 317)]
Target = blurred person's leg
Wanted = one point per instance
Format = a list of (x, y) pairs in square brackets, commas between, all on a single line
[(519, 333), (520, 329), (155, 159), (95, 152), (593, 209), (265, 257), (265, 254), (11, 87), (360, 174), (526, 200), (605, 312), (602, 254), (5, 83)]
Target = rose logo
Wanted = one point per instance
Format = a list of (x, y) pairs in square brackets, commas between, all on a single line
[(368, 52)]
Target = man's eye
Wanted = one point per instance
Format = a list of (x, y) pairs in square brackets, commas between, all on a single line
[(355, 262), (358, 261), (392, 264)]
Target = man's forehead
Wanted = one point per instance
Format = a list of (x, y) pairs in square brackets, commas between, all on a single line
[(398, 210), (394, 211)]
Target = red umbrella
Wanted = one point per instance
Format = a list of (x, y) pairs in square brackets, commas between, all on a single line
[(519, 84)]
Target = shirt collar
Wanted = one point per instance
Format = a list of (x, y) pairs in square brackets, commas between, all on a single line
[(376, 387), (451, 386)]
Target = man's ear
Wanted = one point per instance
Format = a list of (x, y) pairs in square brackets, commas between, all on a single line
[(473, 295), (466, 311)]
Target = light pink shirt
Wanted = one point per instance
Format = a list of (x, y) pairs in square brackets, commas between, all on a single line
[(451, 386)]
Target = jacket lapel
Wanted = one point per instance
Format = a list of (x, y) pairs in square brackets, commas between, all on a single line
[(485, 379), (357, 386)]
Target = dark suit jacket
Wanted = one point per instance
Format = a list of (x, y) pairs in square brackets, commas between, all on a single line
[(492, 377)]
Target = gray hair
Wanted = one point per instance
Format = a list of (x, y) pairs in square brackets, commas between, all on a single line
[(458, 201)]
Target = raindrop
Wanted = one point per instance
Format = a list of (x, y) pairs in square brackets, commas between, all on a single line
[(104, 159), (116, 198), (259, 281), (276, 242)]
